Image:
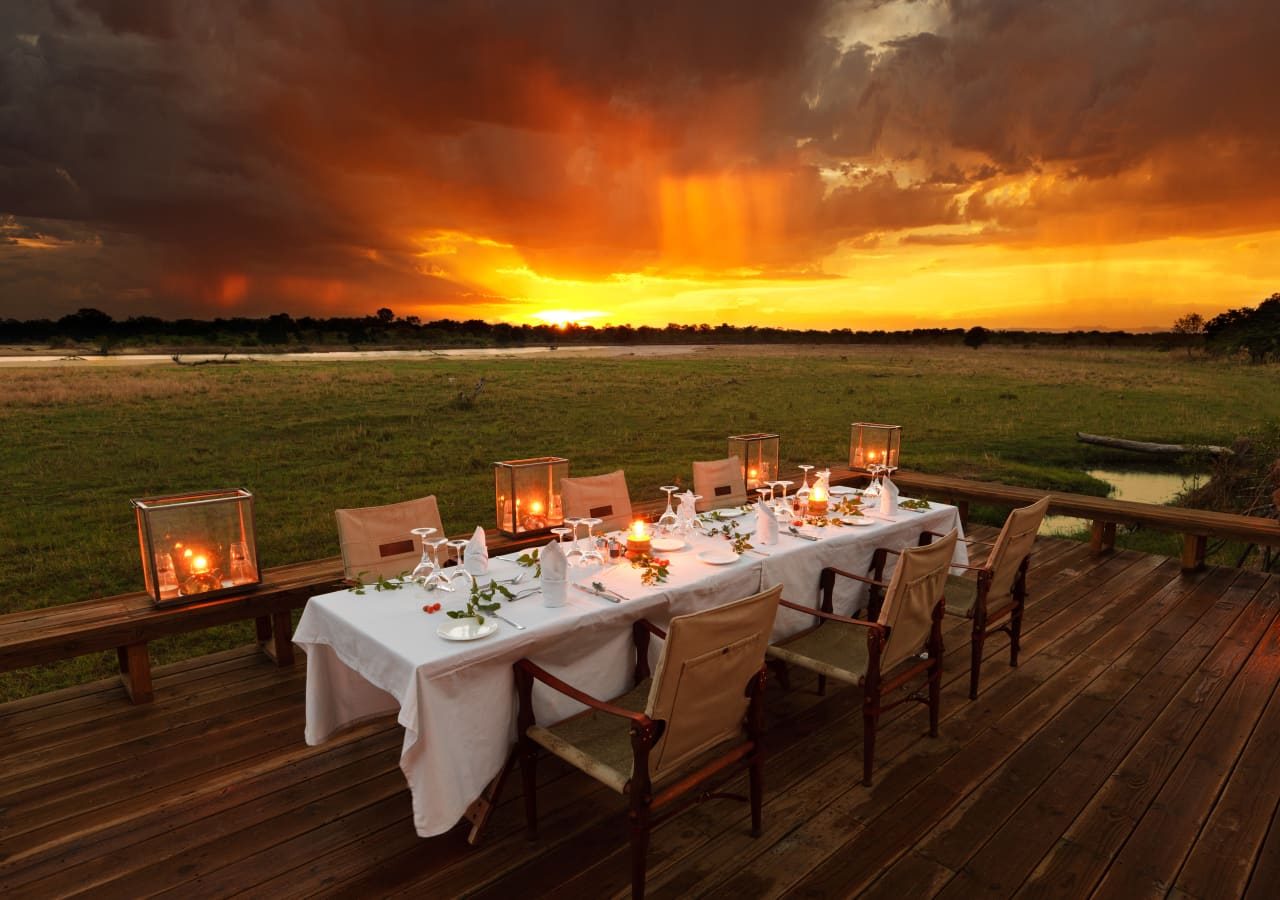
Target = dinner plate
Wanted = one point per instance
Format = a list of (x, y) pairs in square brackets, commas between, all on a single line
[(667, 545), (840, 490), (858, 520), (466, 631), (730, 512), (718, 557)]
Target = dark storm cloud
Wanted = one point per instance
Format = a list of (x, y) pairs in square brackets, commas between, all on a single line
[(254, 154)]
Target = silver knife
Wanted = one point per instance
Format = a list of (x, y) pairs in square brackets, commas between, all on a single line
[(516, 625), (808, 537), (594, 593)]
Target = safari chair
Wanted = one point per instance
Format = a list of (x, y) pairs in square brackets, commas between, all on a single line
[(996, 591), (879, 656), (719, 483), (697, 715), (601, 497), (375, 540)]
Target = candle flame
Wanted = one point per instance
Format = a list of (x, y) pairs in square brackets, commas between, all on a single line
[(638, 530), (818, 492), (199, 564), (535, 507)]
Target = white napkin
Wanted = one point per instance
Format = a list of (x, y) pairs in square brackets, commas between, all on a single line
[(476, 556), (766, 524), (554, 571)]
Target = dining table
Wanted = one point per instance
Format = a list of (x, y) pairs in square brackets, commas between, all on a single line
[(375, 652)]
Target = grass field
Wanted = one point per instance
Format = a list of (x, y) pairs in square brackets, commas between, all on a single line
[(308, 437)]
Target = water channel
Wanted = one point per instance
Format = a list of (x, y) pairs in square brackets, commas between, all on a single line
[(1140, 487)]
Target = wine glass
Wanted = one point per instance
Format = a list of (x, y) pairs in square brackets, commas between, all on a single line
[(781, 502), (592, 554), (668, 520), (575, 551), (802, 495), (873, 486), (427, 565), (431, 577), (560, 531), (457, 549)]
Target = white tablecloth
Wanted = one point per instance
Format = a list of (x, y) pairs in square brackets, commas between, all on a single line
[(376, 653)]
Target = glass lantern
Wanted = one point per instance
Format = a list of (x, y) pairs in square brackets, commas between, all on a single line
[(758, 456), (527, 493), (874, 445), (197, 546)]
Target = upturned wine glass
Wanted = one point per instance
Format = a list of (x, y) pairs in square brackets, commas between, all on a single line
[(668, 521), (427, 565)]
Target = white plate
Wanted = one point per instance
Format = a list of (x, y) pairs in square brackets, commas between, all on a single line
[(729, 512), (718, 557), (858, 520), (466, 631), (667, 545), (840, 490)]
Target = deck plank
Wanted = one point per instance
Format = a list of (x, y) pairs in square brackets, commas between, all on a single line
[(1132, 751)]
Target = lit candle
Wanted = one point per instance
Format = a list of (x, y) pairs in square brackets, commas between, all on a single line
[(533, 517), (753, 478), (818, 499), (638, 541)]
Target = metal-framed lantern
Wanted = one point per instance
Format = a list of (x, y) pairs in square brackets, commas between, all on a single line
[(871, 444), (197, 546), (527, 493), (758, 455)]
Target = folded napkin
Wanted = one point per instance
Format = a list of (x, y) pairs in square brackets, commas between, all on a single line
[(766, 524), (476, 557), (554, 570)]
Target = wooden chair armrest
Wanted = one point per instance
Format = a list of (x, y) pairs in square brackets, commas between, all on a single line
[(832, 617), (956, 565), (864, 579), (962, 540), (537, 672)]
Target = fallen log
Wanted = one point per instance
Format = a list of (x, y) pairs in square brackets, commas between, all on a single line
[(1103, 440)]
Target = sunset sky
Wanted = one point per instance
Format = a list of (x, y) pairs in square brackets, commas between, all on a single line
[(864, 164)]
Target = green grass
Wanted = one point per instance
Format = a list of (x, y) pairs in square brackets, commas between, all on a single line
[(308, 437)]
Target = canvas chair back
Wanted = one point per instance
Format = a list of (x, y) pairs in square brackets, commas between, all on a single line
[(719, 483), (914, 591), (602, 497), (699, 686), (376, 540), (1013, 545)]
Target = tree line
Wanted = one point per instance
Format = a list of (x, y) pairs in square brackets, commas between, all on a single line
[(1255, 332)]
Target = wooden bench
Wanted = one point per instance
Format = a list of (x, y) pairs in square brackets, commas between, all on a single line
[(127, 622), (1195, 525)]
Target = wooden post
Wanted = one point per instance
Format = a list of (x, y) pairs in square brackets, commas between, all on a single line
[(962, 507), (275, 636), (1104, 536), (1193, 549), (135, 672)]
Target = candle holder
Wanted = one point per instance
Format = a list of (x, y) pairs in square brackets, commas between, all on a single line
[(197, 546), (527, 494), (818, 499), (639, 541), (874, 445), (758, 456)]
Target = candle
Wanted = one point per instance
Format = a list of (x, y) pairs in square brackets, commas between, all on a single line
[(198, 574), (753, 478), (818, 499), (534, 517), (638, 540)]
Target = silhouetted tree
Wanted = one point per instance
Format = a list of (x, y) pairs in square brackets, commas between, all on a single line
[(976, 336), (1191, 324), (1255, 331)]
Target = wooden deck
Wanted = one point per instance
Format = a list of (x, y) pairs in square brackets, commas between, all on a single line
[(1132, 754)]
